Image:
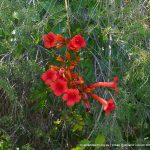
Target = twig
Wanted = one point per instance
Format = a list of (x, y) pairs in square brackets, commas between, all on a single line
[(98, 65), (109, 55), (96, 122), (67, 14)]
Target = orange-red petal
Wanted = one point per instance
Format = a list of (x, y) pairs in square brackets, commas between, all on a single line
[(60, 45), (68, 55), (60, 59), (60, 38)]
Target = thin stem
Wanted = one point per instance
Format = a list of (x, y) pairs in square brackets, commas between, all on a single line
[(96, 123), (109, 55), (67, 14)]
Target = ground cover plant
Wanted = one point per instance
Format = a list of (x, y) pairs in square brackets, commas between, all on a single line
[(115, 42)]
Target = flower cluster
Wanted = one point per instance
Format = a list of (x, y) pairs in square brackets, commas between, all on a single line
[(64, 81)]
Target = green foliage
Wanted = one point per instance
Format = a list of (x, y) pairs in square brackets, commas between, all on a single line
[(100, 140), (4, 141), (82, 145)]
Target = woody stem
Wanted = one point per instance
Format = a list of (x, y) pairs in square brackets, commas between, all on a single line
[(109, 55), (67, 14)]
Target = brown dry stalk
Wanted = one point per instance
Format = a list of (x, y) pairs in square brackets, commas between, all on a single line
[(67, 14)]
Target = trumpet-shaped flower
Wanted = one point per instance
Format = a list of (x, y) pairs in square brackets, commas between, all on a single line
[(59, 87), (112, 84), (76, 43), (65, 81), (50, 40), (108, 105), (72, 47), (85, 101), (60, 38), (49, 76), (71, 97)]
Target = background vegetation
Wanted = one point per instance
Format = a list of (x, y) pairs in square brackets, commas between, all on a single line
[(118, 44)]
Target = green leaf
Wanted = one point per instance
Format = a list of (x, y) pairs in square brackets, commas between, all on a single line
[(77, 148), (100, 139), (85, 141), (77, 127), (81, 145), (42, 103), (57, 122)]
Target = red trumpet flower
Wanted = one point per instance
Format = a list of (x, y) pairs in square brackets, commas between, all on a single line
[(76, 43), (61, 40), (108, 105), (49, 76), (72, 47), (64, 80), (59, 87), (111, 106), (85, 101), (107, 84), (50, 40), (71, 96)]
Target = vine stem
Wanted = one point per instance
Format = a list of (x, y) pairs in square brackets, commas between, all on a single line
[(96, 122), (109, 55), (67, 14)]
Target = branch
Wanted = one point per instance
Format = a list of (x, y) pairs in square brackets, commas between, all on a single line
[(68, 19)]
